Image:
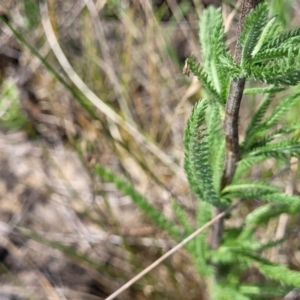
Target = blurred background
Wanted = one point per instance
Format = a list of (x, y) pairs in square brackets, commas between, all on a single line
[(109, 90)]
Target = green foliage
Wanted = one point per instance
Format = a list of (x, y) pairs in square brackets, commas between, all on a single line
[(267, 30), (182, 218), (280, 273), (226, 292), (201, 252), (197, 159), (270, 56), (254, 24), (126, 187), (204, 78), (256, 119), (264, 90), (213, 48)]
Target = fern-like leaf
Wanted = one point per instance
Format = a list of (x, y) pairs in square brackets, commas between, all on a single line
[(245, 164), (203, 78), (227, 292), (215, 135), (266, 33), (204, 213), (282, 38), (277, 73), (232, 69), (126, 187), (282, 149), (280, 273), (264, 90), (182, 218), (264, 213), (268, 195), (254, 24), (284, 106), (205, 27), (202, 168), (197, 160), (196, 119), (272, 54), (212, 38), (264, 291), (256, 134), (220, 50), (273, 271), (241, 187), (256, 120)]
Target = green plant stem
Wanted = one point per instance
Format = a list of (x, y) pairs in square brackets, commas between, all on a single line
[(231, 123), (233, 105)]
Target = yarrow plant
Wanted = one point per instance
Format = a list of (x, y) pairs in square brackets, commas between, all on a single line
[(217, 164)]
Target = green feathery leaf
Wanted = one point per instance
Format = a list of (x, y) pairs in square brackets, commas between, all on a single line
[(245, 164), (212, 38), (276, 72), (284, 131), (218, 164), (264, 290), (280, 273), (282, 38), (182, 218), (227, 64), (205, 29), (196, 119), (197, 162), (203, 78), (268, 195), (126, 187), (270, 210), (274, 54), (256, 120), (256, 138), (220, 50), (281, 109), (273, 271), (254, 24), (217, 41), (226, 292), (264, 37), (215, 135), (282, 149), (202, 168), (241, 187), (264, 90), (204, 213)]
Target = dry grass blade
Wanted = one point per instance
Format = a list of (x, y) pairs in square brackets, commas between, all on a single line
[(169, 253), (96, 101), (107, 57)]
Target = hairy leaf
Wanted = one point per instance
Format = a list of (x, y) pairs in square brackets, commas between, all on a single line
[(254, 24)]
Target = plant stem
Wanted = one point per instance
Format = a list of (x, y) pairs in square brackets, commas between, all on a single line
[(231, 123), (233, 105)]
